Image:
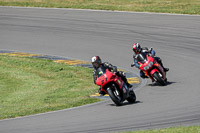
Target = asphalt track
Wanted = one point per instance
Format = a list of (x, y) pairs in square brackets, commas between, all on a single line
[(80, 34)]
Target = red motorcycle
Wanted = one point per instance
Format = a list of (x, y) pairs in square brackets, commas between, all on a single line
[(114, 86), (151, 68)]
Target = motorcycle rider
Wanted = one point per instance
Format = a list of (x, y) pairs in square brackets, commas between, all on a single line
[(96, 63), (137, 49)]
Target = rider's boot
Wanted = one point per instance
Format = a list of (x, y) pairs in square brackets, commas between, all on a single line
[(165, 69), (129, 85), (142, 75), (101, 93)]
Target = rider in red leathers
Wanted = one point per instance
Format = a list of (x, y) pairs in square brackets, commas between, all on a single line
[(96, 63)]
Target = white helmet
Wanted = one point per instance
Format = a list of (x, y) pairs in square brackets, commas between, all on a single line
[(96, 61)]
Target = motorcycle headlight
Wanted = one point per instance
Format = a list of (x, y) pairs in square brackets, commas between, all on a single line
[(150, 64), (146, 68)]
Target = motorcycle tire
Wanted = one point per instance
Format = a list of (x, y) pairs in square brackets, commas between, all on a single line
[(158, 78), (132, 98), (117, 100)]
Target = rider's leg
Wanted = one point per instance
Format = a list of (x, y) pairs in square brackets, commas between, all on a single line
[(122, 75), (142, 74), (160, 62), (101, 93)]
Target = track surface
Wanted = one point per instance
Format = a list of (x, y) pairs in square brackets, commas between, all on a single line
[(80, 35)]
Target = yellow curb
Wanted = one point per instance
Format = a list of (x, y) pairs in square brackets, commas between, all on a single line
[(3, 53), (97, 94), (133, 80), (72, 62), (118, 69), (19, 54)]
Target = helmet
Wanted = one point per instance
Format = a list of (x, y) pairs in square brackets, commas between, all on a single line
[(96, 61), (137, 48)]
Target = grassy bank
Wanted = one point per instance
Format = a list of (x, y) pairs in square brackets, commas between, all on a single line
[(30, 86), (189, 129), (164, 6)]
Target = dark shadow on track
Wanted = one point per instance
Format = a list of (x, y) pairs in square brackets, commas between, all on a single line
[(125, 104), (157, 84)]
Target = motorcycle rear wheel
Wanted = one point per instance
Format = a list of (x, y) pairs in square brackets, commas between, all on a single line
[(116, 99), (158, 78)]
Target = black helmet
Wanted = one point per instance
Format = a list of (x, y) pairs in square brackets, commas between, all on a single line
[(96, 61)]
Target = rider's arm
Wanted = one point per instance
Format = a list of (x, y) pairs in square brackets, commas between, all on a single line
[(136, 63), (94, 77), (145, 49), (152, 52), (110, 66)]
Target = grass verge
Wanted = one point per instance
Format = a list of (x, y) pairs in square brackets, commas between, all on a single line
[(164, 6), (32, 85), (188, 129)]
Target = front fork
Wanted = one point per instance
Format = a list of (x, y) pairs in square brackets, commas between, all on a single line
[(116, 91), (160, 71)]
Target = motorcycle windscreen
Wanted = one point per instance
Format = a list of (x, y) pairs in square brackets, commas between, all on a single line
[(141, 58), (100, 71)]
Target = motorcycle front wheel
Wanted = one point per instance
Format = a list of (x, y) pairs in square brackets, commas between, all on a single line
[(158, 78), (115, 96)]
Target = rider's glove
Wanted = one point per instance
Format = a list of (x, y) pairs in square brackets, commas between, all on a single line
[(132, 65), (152, 52), (114, 69), (150, 49)]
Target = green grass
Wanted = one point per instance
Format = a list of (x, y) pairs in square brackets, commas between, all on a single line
[(164, 6), (31, 85), (189, 129)]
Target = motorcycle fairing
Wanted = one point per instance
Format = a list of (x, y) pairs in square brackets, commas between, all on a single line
[(144, 59), (106, 78)]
